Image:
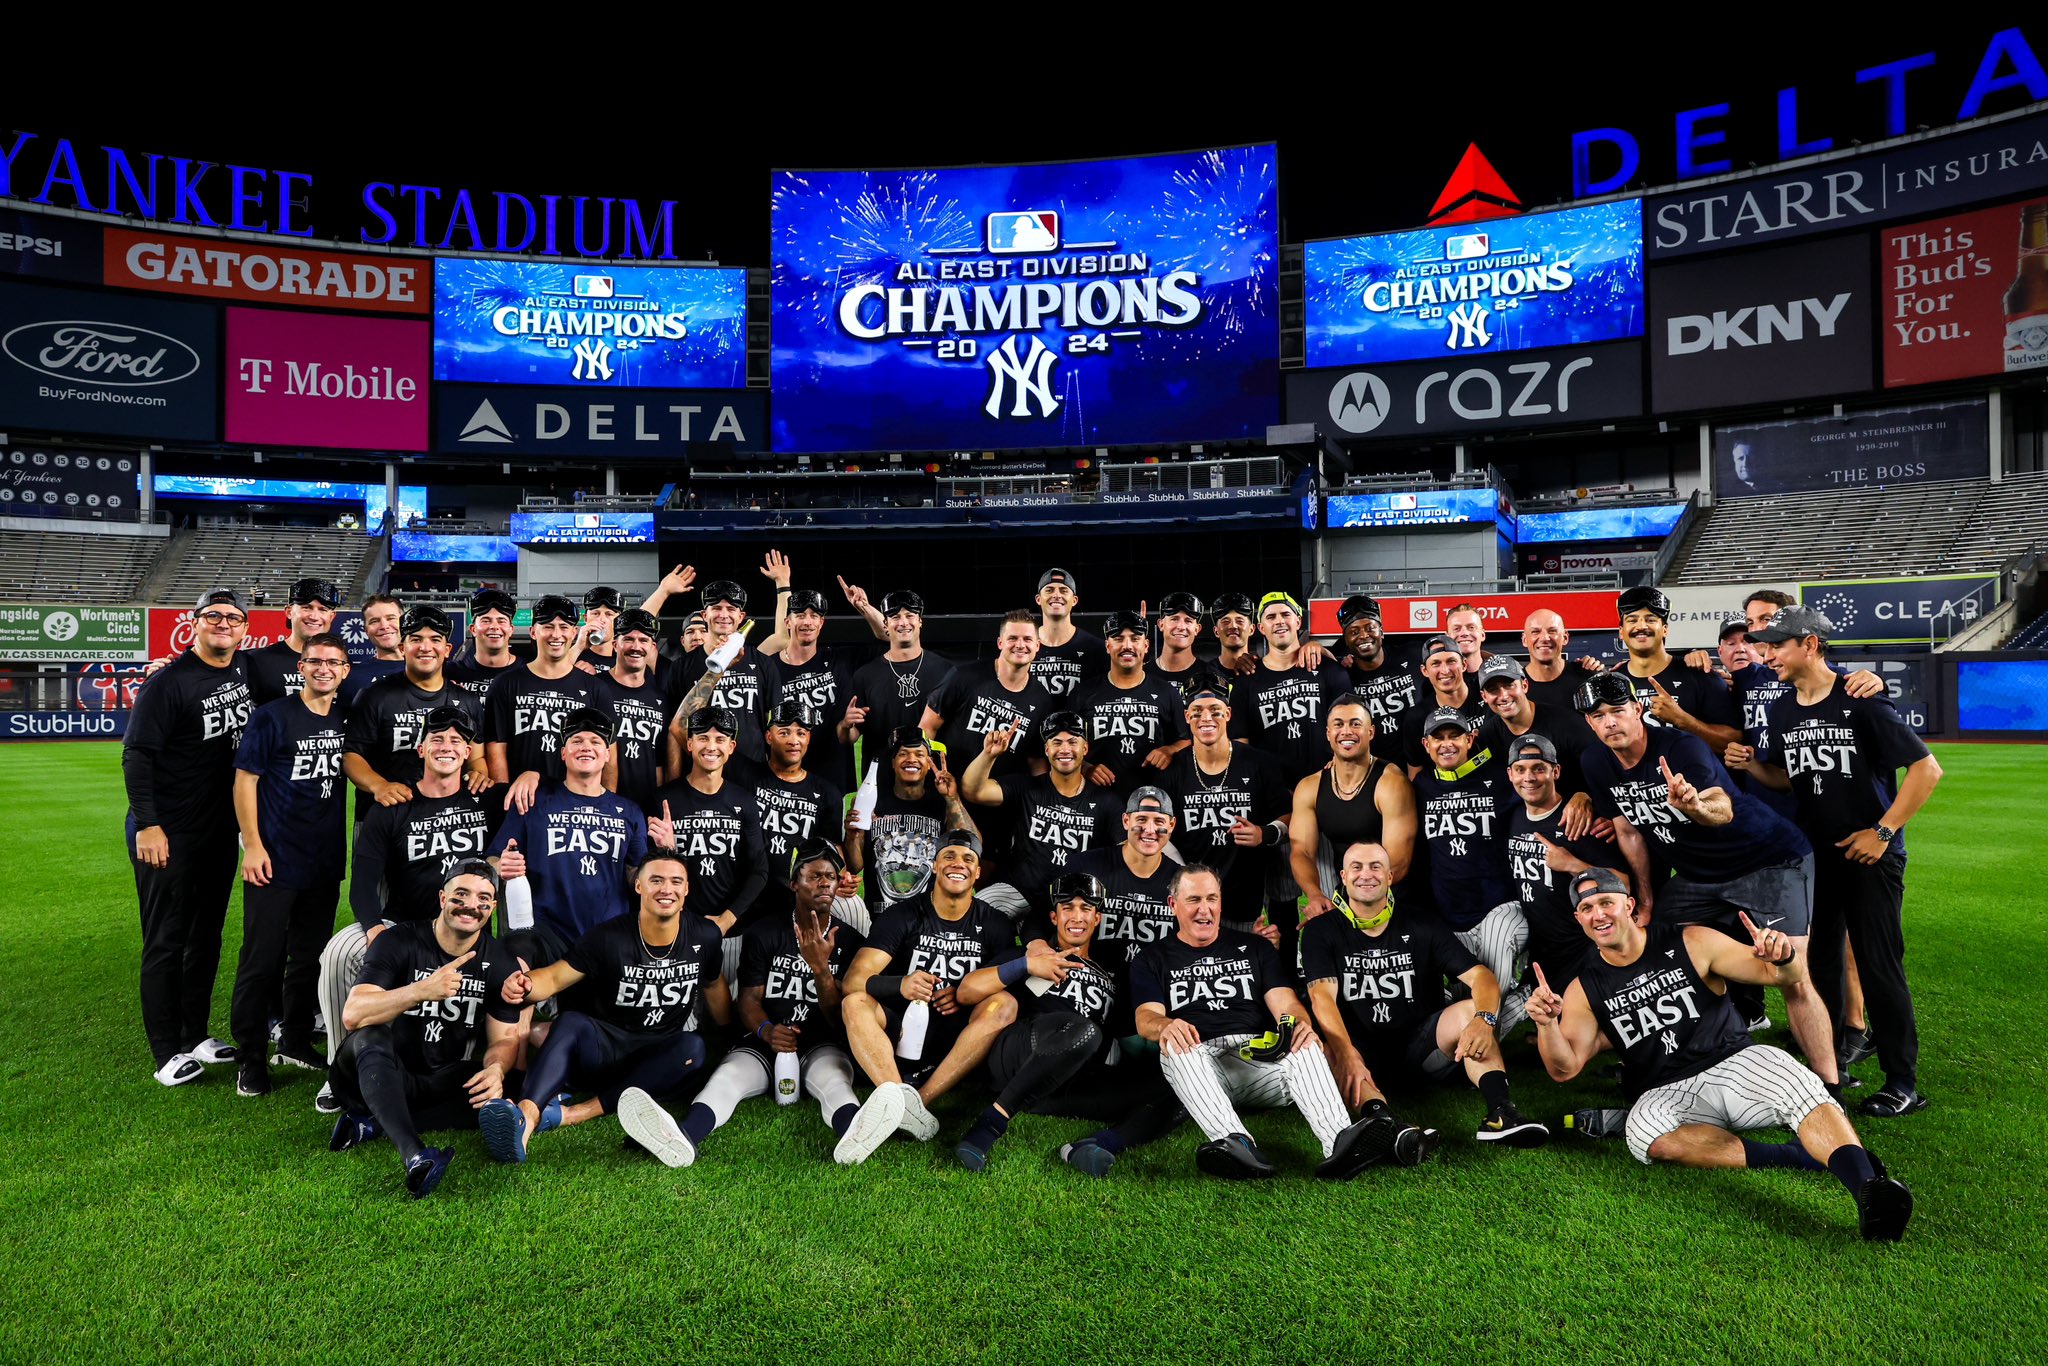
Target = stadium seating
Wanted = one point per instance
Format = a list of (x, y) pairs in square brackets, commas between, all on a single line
[(1964, 526), (258, 558), (74, 566)]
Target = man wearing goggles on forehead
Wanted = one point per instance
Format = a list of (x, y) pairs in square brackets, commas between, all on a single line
[(382, 754), (631, 691), (811, 675), (796, 804), (491, 613), (601, 608), (1135, 719), (890, 693), (1180, 622), (1389, 692), (726, 673), (524, 710), (274, 669)]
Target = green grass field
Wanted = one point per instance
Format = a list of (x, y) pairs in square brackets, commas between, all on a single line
[(192, 1224)]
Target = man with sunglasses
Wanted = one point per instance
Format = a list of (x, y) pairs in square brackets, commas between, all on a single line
[(1180, 623), (274, 669), (632, 691), (403, 852), (491, 614), (524, 711), (292, 805), (1391, 693), (890, 693), (178, 765), (385, 723)]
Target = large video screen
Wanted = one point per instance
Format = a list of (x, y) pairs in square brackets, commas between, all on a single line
[(1078, 304), (412, 498), (1508, 284), (631, 327), (582, 528), (447, 548), (1998, 694), (1600, 524), (1425, 507)]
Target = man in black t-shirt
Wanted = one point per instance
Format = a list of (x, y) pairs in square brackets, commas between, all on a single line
[(292, 805), (1504, 688), (382, 753), (1068, 658), (1672, 692), (725, 673), (1377, 977), (1057, 816), (1137, 894), (1659, 997), (274, 669), (1135, 720), (789, 1005), (918, 799), (1211, 998), (489, 654), (797, 805), (523, 713), (1443, 668), (631, 988), (980, 699), (1279, 706), (710, 819), (1553, 674), (1462, 801), (1233, 803), (1390, 692), (1840, 755), (432, 995), (890, 693), (178, 765), (633, 695), (806, 674), (1542, 858), (902, 989)]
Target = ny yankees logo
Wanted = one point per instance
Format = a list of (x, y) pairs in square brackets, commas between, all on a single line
[(632, 749), (654, 1015), (1030, 374), (707, 866), (547, 742), (1215, 1005), (1468, 327), (326, 788), (433, 1031), (1059, 857), (1294, 730), (1458, 848), (1669, 1040), (593, 360), (1816, 785), (1382, 1013), (587, 865), (799, 1012), (1130, 745), (1663, 832)]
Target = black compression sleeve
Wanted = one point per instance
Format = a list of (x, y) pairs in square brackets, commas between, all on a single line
[(886, 988)]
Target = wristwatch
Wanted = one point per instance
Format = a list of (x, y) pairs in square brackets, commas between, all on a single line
[(1492, 1020), (1885, 834)]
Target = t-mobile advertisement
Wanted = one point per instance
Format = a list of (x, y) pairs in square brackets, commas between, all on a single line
[(1967, 295), (1919, 444), (306, 379)]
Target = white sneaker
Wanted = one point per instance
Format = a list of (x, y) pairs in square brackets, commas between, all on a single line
[(182, 1067), (873, 1123), (917, 1121), (654, 1128), (213, 1052)]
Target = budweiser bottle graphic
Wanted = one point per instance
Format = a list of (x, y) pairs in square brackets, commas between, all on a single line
[(2026, 303)]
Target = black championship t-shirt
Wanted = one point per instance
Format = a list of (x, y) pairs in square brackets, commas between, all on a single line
[(1702, 693), (476, 679), (639, 989), (1663, 1019), (1253, 788), (1554, 935), (387, 721), (719, 835), (642, 717), (1464, 822), (1134, 910), (1756, 838), (188, 718), (1387, 984), (402, 852), (738, 689), (894, 693), (1220, 990), (524, 713), (791, 813), (301, 797), (1558, 692), (972, 703), (1391, 694), (771, 961), (918, 939), (1053, 830), (1414, 752), (437, 1034), (1284, 711), (824, 682), (902, 843), (1090, 990), (1843, 754), (1065, 669), (274, 671), (1127, 724), (1567, 731)]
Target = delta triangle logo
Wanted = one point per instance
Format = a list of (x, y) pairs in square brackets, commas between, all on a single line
[(485, 427), (1474, 192)]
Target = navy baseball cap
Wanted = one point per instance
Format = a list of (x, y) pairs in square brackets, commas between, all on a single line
[(1734, 626), (221, 597), (1532, 746), (1061, 577), (1149, 799), (961, 839), (1439, 645)]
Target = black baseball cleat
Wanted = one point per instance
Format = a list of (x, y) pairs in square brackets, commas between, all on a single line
[(1270, 1046), (252, 1078), (1505, 1124), (424, 1172), (1892, 1101), (1413, 1145), (1883, 1207), (1856, 1045), (352, 1131), (1368, 1141), (1233, 1158), (1088, 1156)]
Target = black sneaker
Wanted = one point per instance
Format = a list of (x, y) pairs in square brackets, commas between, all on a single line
[(1088, 1156), (1413, 1145), (1856, 1045), (1597, 1123), (1883, 1207), (424, 1172), (1233, 1158), (1368, 1141), (1506, 1125), (1892, 1101), (325, 1101), (252, 1078), (352, 1131)]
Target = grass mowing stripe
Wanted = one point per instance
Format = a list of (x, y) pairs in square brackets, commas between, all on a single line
[(154, 1224)]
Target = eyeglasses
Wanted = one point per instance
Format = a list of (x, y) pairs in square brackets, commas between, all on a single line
[(222, 618), (323, 663)]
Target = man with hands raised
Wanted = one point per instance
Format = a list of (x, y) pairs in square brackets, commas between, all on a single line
[(714, 824), (1058, 815), (431, 992), (1658, 996)]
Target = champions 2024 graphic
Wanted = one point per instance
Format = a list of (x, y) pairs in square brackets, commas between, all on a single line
[(631, 327), (1080, 304), (1507, 284)]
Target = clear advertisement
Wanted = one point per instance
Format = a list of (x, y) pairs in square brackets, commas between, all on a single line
[(1883, 446), (1508, 284), (1967, 295), (629, 327), (305, 379), (1912, 611), (111, 364), (1073, 304)]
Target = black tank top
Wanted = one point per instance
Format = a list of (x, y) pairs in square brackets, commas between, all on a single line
[(1347, 822), (1666, 1021)]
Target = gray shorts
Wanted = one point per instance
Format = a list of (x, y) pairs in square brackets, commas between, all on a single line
[(1779, 897)]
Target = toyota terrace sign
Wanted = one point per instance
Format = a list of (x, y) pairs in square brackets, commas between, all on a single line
[(496, 419), (83, 361), (305, 379)]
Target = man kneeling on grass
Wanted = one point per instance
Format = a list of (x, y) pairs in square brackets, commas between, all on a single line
[(430, 992), (1660, 997), (633, 984)]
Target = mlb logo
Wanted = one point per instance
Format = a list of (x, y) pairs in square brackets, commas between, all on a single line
[(1016, 231), (1403, 502), (593, 286), (1422, 614), (588, 521), (1465, 246)]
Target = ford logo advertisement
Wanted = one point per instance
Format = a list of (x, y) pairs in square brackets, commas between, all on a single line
[(82, 361)]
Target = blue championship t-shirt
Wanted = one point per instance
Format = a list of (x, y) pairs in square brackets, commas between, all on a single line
[(301, 797), (577, 852), (1756, 838)]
